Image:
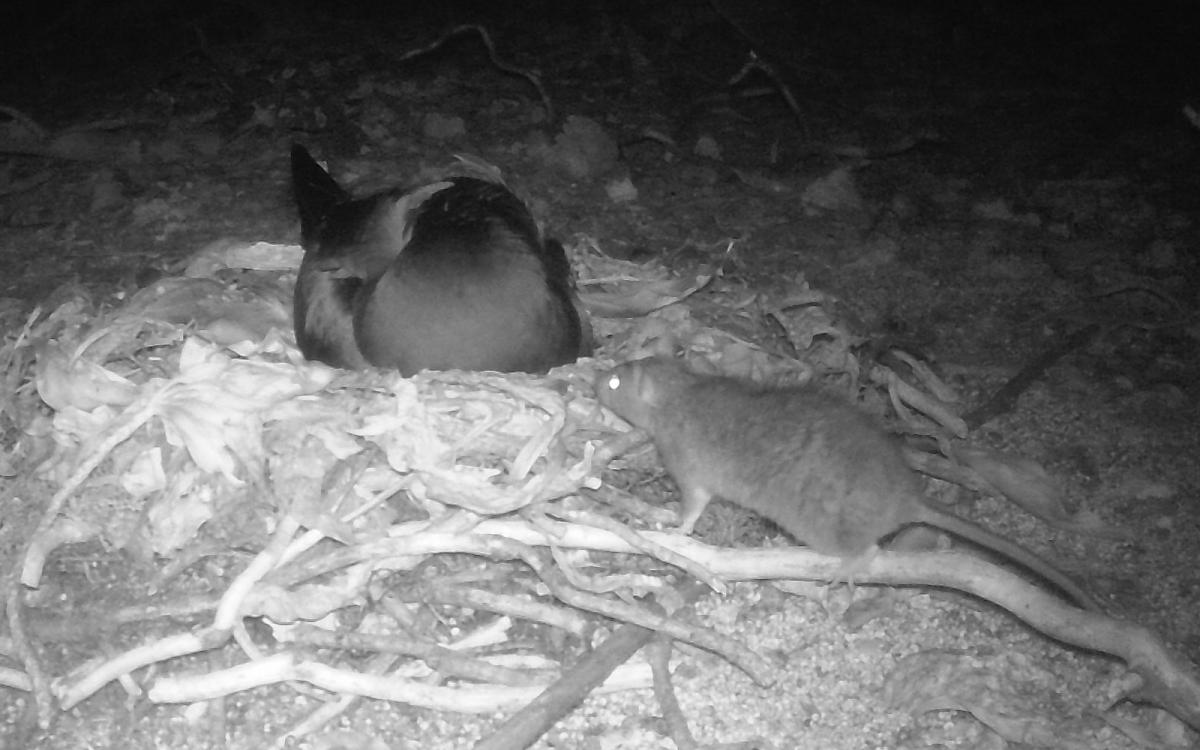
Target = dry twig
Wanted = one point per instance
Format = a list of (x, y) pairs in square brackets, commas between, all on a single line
[(531, 722), (530, 76), (1005, 399), (659, 656)]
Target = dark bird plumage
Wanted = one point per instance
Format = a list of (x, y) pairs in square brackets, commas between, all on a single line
[(455, 274)]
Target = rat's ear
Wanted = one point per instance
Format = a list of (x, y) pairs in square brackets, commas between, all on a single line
[(642, 381)]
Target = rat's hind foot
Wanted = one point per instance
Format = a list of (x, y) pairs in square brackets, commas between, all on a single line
[(852, 566)]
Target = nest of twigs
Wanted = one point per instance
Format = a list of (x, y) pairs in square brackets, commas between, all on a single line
[(183, 422)]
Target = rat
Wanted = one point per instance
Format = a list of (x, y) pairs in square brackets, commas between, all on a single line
[(454, 274), (811, 462)]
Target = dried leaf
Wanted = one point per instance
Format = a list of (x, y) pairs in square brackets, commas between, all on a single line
[(631, 299), (1027, 483), (261, 256), (65, 381), (1005, 694), (174, 518)]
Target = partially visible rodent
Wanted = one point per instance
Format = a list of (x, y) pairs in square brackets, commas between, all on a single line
[(814, 464), (455, 274)]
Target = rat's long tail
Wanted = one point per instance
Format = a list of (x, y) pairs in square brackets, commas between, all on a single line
[(973, 532)]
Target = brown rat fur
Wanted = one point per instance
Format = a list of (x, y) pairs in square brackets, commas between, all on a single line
[(814, 464)]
